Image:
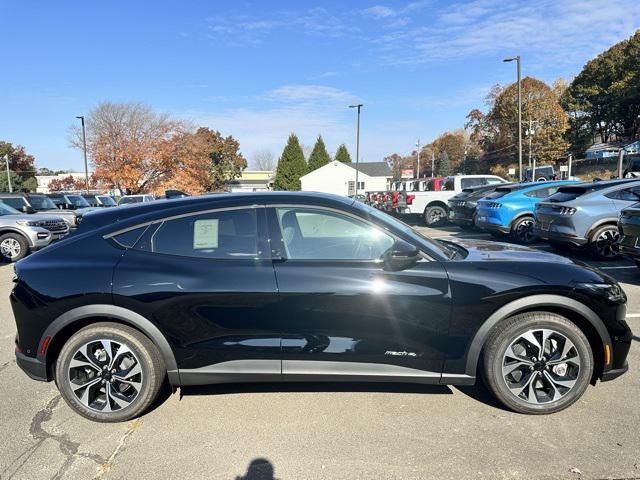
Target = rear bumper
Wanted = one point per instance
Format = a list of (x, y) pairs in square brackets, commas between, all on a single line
[(33, 367), (558, 237), (492, 227)]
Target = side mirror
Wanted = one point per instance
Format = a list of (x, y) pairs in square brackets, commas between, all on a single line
[(401, 255), (28, 209)]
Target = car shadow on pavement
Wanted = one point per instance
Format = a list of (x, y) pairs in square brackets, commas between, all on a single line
[(479, 393), (258, 469), (295, 387)]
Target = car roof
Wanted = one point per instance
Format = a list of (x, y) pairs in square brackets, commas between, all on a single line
[(142, 212)]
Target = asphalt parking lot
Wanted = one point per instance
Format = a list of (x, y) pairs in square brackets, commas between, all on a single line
[(309, 431)]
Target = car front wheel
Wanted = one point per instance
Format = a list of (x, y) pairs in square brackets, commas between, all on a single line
[(13, 246), (109, 372), (537, 363)]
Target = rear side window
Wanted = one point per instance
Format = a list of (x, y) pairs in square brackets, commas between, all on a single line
[(128, 239), (542, 192), (222, 234), (473, 182), (628, 194)]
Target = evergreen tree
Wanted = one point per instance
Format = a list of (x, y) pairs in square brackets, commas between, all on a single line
[(291, 166), (319, 156), (443, 167), (342, 155)]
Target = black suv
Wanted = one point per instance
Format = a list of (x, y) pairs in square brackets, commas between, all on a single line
[(295, 286)]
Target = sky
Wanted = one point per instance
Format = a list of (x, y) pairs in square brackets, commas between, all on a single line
[(261, 70)]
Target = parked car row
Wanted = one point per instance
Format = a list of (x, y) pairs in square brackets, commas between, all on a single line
[(427, 198), (601, 217), (31, 221)]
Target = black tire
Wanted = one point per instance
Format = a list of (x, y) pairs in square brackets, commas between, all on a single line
[(13, 247), (144, 352), (603, 243), (510, 331), (522, 231), (435, 216)]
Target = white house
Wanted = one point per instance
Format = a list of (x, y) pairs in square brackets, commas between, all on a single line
[(45, 180), (340, 178)]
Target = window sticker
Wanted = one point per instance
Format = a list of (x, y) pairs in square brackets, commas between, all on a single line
[(205, 234)]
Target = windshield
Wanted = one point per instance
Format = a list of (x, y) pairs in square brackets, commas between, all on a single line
[(107, 200), (404, 228), (42, 203), (78, 201), (7, 210)]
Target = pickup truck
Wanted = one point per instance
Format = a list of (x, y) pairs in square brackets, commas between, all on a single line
[(432, 205)]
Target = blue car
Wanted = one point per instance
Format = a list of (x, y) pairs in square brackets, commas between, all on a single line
[(508, 211)]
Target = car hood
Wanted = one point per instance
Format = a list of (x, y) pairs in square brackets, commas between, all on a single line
[(481, 250)]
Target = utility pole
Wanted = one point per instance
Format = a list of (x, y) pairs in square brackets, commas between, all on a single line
[(6, 159), (517, 60), (418, 170), (84, 148), (620, 162), (358, 106), (433, 164), (532, 164), (569, 169), (464, 160)]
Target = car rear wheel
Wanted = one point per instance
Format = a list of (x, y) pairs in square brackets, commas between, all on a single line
[(537, 363), (604, 242), (522, 231), (13, 246), (109, 372), (434, 216)]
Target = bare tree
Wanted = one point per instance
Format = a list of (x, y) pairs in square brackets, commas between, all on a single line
[(264, 160)]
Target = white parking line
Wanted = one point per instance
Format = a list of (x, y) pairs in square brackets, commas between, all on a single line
[(633, 315)]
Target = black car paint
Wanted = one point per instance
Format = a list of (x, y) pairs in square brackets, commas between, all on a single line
[(428, 321), (463, 205), (629, 228)]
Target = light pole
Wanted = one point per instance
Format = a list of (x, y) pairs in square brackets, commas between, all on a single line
[(517, 60), (84, 148), (530, 133), (358, 106), (418, 170), (6, 159), (433, 164)]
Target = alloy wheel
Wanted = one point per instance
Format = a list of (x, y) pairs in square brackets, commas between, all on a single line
[(10, 248), (606, 243), (105, 375), (436, 215), (524, 231), (541, 366)]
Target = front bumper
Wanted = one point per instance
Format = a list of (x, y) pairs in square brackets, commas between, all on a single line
[(615, 373), (33, 367)]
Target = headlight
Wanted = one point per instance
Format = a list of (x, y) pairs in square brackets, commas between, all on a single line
[(610, 291), (30, 223)]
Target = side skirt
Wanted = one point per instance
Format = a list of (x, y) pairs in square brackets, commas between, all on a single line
[(248, 371)]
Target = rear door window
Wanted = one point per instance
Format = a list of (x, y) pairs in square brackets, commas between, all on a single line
[(221, 234)]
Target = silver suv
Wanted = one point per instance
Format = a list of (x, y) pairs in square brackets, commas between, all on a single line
[(586, 215), (21, 233), (42, 205)]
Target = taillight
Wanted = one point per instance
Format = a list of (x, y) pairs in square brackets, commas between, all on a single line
[(395, 196), (410, 199)]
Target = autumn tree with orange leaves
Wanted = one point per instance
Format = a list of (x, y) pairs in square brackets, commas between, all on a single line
[(134, 148)]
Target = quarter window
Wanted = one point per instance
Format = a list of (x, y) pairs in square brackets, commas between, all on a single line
[(313, 234), (220, 234)]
